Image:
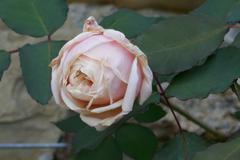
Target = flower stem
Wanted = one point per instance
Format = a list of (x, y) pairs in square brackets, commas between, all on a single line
[(219, 136), (170, 106)]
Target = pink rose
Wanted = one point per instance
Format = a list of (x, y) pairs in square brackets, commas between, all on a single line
[(99, 74)]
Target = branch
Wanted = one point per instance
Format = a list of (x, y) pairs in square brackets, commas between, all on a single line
[(13, 51), (49, 39)]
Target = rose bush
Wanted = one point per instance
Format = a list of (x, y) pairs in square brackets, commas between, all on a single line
[(99, 74)]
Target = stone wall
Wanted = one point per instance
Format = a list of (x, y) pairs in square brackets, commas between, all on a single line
[(23, 120)]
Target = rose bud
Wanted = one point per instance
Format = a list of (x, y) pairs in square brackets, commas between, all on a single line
[(99, 74)]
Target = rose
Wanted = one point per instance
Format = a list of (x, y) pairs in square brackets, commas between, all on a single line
[(99, 74)]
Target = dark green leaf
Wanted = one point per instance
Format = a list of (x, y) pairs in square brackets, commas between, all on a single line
[(105, 151), (234, 13), (237, 115), (71, 124), (221, 151), (34, 17), (215, 76), (152, 114), (236, 89), (216, 8), (177, 44), (174, 149), (128, 22), (166, 77), (88, 138), (136, 141), (236, 42), (4, 62), (35, 60)]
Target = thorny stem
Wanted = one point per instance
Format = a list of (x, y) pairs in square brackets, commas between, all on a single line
[(167, 103)]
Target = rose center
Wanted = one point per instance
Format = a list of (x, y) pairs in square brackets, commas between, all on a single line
[(83, 78)]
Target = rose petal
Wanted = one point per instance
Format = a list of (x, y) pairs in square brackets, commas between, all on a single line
[(101, 124), (70, 44), (113, 56), (107, 108), (132, 88), (57, 70), (70, 102), (91, 25), (82, 47), (146, 88)]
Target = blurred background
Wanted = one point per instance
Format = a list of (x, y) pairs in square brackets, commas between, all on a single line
[(22, 120), (171, 5)]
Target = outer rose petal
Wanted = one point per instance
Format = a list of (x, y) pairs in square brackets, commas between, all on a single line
[(132, 88), (107, 108), (57, 67), (56, 87), (146, 88), (101, 124)]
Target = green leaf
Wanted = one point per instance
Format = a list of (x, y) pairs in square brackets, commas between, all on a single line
[(35, 60), (174, 149), (236, 42), (215, 76), (237, 115), (136, 141), (179, 43), (236, 89), (5, 60), (221, 151), (234, 13), (216, 8), (34, 17), (105, 151), (152, 114), (71, 124), (128, 22), (88, 138)]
